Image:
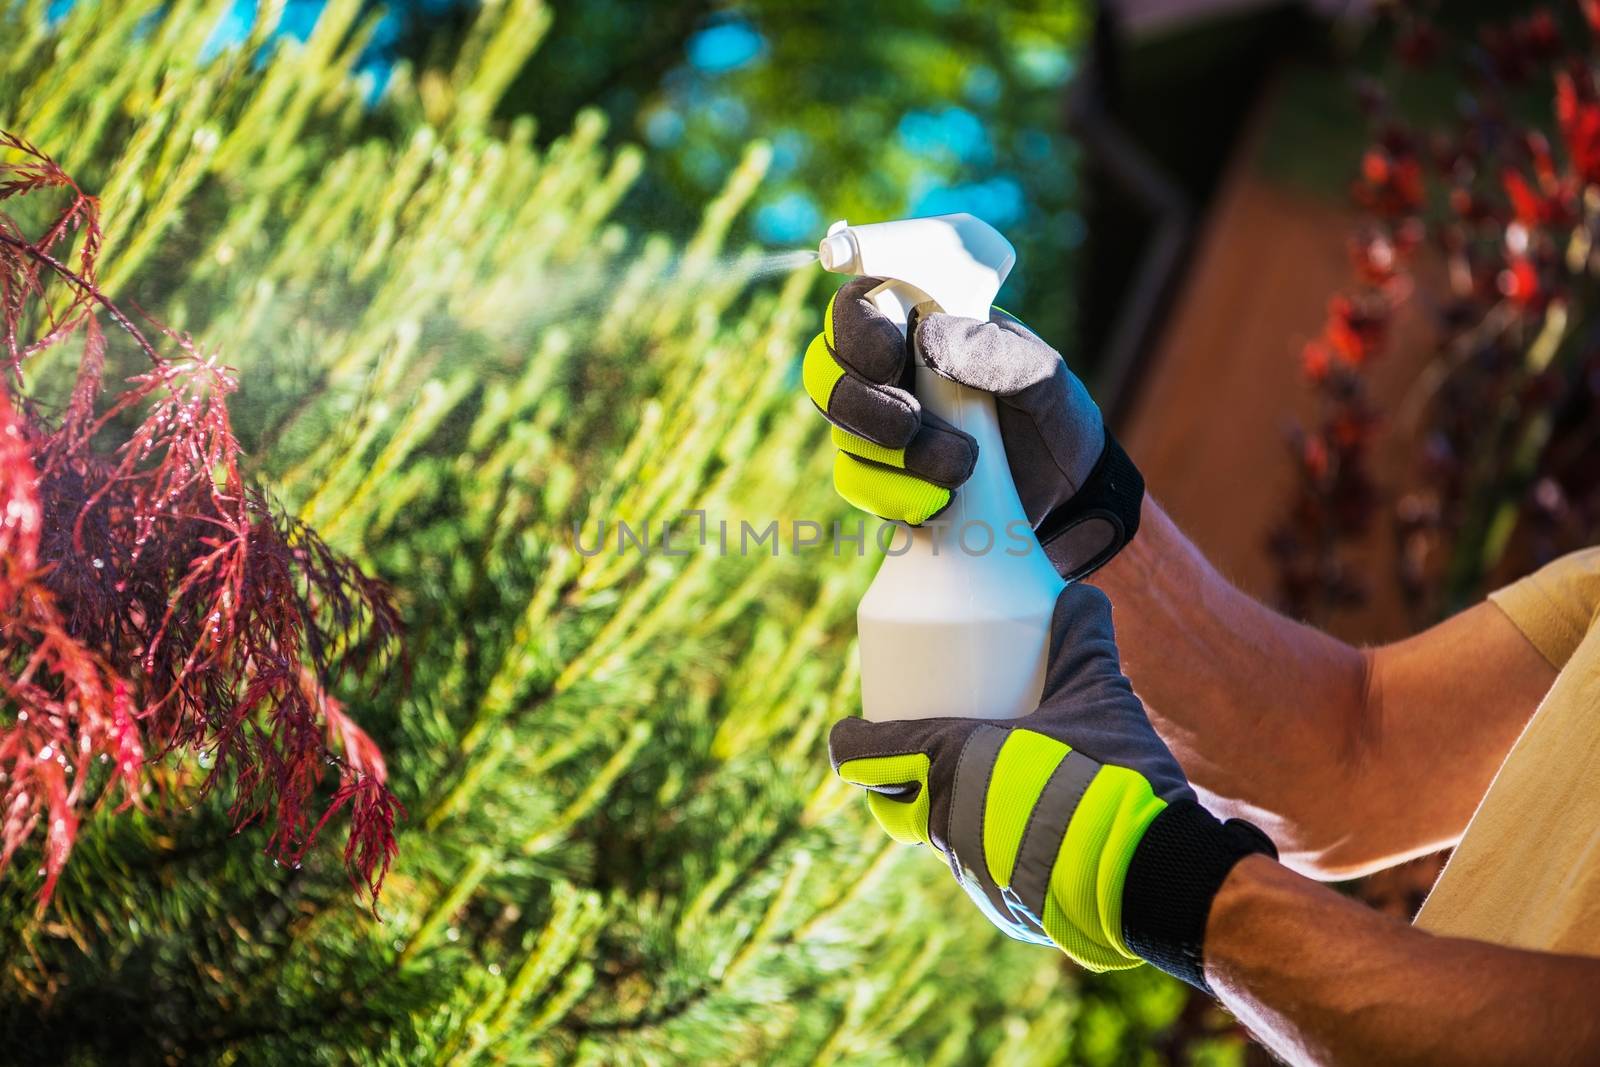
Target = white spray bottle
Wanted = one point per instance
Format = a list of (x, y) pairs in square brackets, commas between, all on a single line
[(958, 621)]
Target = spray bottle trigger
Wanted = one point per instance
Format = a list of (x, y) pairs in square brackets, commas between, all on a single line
[(895, 304)]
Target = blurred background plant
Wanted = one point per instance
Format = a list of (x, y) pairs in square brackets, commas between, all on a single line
[(456, 342), (872, 111), (1500, 199)]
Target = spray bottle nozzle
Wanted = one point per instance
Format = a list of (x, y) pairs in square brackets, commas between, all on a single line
[(957, 261), (836, 252), (839, 251)]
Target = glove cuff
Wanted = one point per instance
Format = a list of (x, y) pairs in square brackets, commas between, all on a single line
[(1102, 516), (1176, 871)]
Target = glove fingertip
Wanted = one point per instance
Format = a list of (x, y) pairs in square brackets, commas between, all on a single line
[(1079, 599), (1083, 627), (936, 330), (945, 341), (991, 357), (941, 453), (849, 739), (864, 339)]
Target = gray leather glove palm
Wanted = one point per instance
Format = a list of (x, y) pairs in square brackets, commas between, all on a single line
[(1073, 825), (1079, 489)]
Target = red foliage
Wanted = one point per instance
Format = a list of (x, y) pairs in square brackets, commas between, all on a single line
[(1334, 495), (1391, 178), (151, 600), (1518, 234), (1578, 118)]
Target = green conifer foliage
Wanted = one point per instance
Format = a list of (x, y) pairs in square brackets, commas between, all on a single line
[(623, 843)]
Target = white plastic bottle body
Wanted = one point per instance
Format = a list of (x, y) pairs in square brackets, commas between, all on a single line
[(957, 621)]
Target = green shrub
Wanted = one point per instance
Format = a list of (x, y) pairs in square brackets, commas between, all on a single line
[(623, 842)]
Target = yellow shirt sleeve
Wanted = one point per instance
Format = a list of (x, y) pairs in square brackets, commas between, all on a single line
[(1556, 604), (1527, 871)]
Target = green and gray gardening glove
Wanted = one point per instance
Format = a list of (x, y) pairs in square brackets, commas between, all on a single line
[(898, 461), (1073, 825)]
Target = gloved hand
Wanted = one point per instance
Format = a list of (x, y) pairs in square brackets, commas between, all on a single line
[(1079, 489), (1072, 825)]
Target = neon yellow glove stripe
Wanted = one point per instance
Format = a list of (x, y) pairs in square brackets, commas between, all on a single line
[(1083, 911), (889, 494), (846, 441), (905, 821), (1025, 764), (827, 322), (820, 372)]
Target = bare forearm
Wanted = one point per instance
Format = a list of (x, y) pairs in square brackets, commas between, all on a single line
[(1350, 759), (1321, 979), (1263, 712)]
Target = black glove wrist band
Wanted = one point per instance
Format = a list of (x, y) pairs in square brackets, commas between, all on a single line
[(1101, 517), (1176, 871)]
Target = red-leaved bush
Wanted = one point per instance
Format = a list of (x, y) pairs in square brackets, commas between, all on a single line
[(151, 600), (1508, 200)]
